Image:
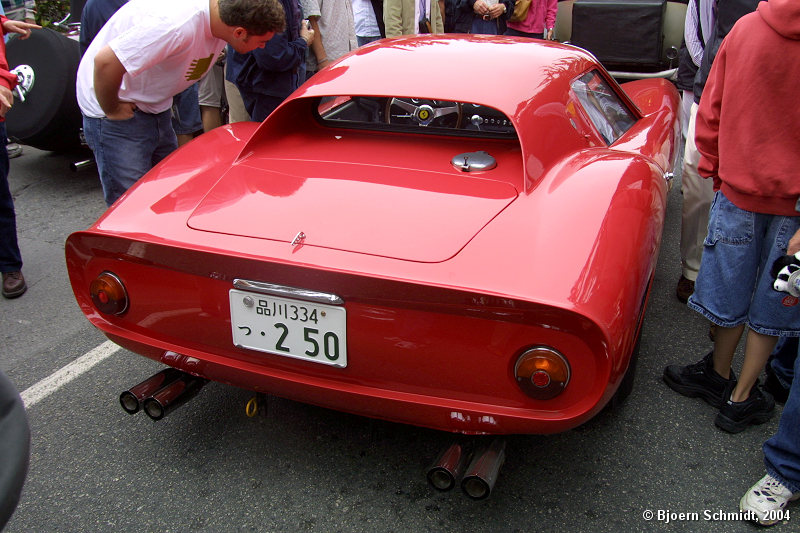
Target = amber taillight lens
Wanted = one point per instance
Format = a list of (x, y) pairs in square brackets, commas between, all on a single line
[(108, 294), (542, 373)]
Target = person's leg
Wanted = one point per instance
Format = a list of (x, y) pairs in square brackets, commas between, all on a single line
[(757, 350), (780, 368), (697, 193), (770, 314), (236, 109), (361, 40), (768, 498), (723, 296), (124, 152), (210, 91), (186, 119), (782, 450), (687, 99), (10, 256), (167, 141), (13, 281), (725, 343)]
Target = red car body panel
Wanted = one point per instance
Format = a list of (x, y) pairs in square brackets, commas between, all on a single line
[(447, 277)]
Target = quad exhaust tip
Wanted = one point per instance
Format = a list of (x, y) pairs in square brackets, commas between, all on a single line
[(161, 393)]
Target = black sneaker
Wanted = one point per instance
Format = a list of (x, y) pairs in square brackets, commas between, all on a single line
[(734, 417), (773, 386), (700, 380)]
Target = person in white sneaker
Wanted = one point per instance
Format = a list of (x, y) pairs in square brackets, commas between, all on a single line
[(767, 499)]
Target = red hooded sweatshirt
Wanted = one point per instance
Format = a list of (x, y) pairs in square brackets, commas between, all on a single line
[(6, 78), (748, 120)]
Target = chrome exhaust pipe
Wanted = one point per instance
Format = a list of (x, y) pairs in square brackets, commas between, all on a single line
[(76, 166), (481, 475), (131, 400), (170, 397), (448, 467)]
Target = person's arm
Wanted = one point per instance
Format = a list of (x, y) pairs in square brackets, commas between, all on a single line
[(794, 244), (108, 73), (6, 98), (693, 43), (551, 11), (16, 26), (317, 47), (706, 133), (7, 80), (280, 54)]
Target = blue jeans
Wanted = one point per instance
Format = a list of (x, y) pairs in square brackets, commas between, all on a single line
[(259, 106), (734, 285), (186, 117), (126, 149), (10, 257), (782, 360), (361, 40), (782, 451)]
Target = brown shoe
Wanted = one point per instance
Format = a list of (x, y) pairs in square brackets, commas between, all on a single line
[(685, 289), (13, 284)]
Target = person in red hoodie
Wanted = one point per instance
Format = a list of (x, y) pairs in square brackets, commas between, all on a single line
[(749, 144), (10, 258)]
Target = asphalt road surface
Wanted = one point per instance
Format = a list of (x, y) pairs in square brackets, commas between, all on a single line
[(655, 464)]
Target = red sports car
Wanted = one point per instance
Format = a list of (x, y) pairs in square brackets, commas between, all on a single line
[(452, 232)]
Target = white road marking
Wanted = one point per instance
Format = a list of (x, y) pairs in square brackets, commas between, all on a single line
[(41, 390)]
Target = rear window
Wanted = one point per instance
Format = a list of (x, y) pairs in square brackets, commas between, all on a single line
[(414, 114), (605, 108)]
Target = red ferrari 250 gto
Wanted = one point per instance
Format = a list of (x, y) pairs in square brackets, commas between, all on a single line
[(456, 232)]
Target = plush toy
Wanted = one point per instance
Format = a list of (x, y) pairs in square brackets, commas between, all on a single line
[(786, 271)]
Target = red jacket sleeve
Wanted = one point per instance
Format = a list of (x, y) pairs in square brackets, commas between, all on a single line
[(6, 78)]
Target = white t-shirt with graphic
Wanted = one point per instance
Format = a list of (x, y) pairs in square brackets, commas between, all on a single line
[(164, 45)]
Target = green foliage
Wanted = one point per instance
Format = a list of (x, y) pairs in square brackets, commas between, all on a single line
[(49, 12)]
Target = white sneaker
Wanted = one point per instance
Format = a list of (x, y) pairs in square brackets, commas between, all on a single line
[(767, 500)]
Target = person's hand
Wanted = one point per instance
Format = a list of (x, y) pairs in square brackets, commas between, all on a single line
[(496, 10), (549, 34), (480, 8), (123, 111), (6, 100), (306, 32), (794, 244), (22, 28)]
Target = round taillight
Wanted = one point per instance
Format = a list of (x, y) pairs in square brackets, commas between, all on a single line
[(108, 294), (542, 373)]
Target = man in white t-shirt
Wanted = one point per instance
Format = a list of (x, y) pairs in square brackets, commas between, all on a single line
[(147, 52)]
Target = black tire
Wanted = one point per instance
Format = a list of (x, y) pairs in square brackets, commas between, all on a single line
[(15, 441), (49, 118), (626, 385)]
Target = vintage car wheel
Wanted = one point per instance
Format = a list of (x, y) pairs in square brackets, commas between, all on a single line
[(49, 117), (423, 112)]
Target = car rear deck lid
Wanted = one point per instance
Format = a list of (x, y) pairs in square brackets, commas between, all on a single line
[(391, 212)]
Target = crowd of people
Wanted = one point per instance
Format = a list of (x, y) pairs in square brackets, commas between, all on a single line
[(137, 90)]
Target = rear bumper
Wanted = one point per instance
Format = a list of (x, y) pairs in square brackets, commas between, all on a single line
[(424, 410)]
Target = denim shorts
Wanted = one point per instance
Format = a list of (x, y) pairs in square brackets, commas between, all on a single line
[(734, 285)]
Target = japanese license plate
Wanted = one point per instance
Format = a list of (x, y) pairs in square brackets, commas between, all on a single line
[(293, 328)]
